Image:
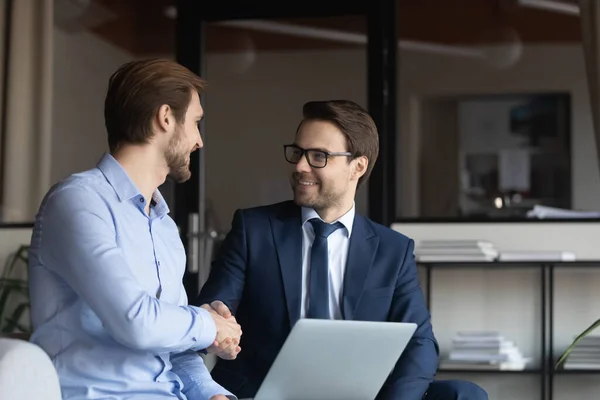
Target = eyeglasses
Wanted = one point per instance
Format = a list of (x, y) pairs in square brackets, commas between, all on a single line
[(315, 158)]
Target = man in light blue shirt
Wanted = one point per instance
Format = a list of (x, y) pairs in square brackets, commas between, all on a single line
[(106, 260)]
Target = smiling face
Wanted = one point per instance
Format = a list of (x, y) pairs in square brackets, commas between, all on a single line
[(185, 140), (329, 190)]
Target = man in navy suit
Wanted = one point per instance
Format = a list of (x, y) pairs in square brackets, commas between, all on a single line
[(315, 257)]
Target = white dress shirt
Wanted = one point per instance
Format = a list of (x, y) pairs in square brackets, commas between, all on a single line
[(337, 248)]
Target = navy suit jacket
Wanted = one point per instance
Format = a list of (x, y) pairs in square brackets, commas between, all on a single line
[(257, 274)]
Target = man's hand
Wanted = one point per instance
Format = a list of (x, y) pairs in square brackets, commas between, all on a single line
[(227, 327), (219, 397), (227, 350), (220, 308), (226, 344)]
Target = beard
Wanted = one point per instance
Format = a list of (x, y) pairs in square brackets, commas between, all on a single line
[(178, 160), (317, 197)]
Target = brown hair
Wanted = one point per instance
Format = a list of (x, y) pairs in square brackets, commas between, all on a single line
[(135, 93), (354, 122)]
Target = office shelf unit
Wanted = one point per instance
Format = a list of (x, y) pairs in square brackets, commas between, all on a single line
[(551, 302), (545, 370)]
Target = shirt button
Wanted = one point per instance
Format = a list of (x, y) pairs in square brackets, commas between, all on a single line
[(141, 199), (159, 263)]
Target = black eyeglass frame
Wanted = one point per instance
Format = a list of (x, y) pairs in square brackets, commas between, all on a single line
[(305, 152)]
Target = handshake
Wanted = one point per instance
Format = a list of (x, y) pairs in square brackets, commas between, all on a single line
[(226, 344)]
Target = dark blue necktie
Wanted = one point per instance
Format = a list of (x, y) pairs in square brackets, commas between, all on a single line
[(318, 287)]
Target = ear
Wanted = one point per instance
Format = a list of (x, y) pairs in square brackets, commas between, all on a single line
[(360, 167), (165, 120)]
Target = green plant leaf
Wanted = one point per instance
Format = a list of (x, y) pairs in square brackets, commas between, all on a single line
[(15, 290), (4, 294), (12, 322), (583, 334), (8, 265), (21, 255), (13, 282), (13, 326)]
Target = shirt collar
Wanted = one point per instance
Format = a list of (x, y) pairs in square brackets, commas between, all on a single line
[(347, 219), (124, 186)]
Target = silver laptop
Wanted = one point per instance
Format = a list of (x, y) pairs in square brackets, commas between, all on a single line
[(335, 360)]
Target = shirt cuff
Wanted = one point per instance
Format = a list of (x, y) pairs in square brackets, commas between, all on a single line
[(209, 391), (207, 331)]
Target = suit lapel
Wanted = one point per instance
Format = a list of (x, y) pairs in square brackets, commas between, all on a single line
[(361, 254), (287, 233)]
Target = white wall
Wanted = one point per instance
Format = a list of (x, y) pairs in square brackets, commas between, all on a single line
[(82, 65)]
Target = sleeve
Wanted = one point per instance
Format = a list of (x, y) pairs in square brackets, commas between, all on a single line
[(198, 384), (78, 243), (228, 273), (417, 366)]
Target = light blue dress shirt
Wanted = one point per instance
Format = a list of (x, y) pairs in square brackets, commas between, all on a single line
[(107, 299)]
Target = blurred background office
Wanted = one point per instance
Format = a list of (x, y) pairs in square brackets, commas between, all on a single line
[(486, 112)]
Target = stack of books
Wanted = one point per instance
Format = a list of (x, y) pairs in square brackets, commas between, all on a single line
[(556, 255), (585, 354), (484, 350), (455, 250)]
